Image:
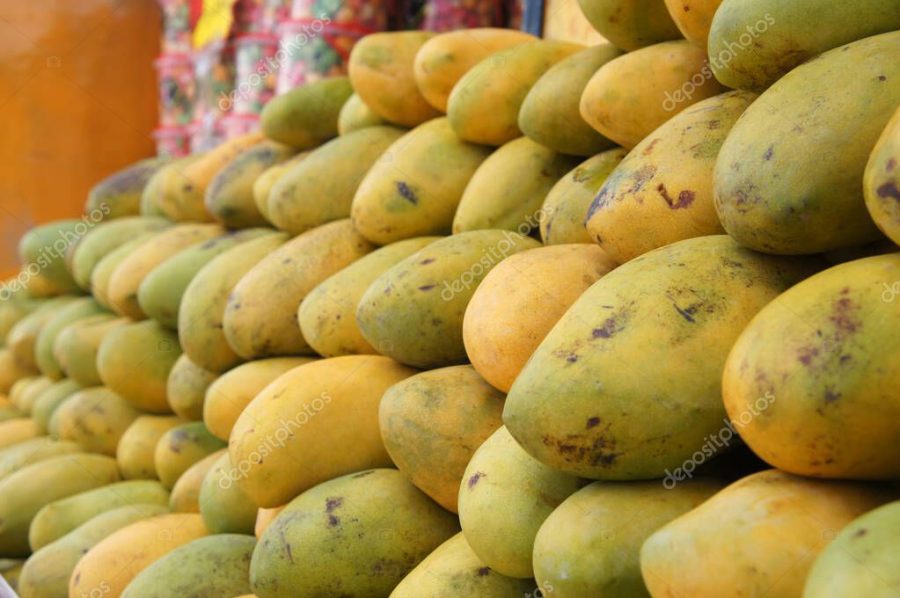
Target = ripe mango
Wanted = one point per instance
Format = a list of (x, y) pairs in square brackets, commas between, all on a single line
[(630, 24), (43, 248), (28, 452), (104, 238), (107, 265), (180, 447), (95, 418), (186, 388), (306, 116), (11, 370), (76, 347), (16, 430), (74, 311), (881, 181), (22, 338), (137, 446), (185, 495), (225, 507), (47, 402), (119, 194), (693, 18), (14, 305), (25, 392), (262, 186), (153, 199), (264, 517), (355, 115)]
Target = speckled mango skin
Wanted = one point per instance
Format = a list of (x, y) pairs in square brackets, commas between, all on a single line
[(297, 422), (662, 192), (789, 177), (504, 498), (881, 181), (761, 534), (693, 18), (358, 535), (185, 495), (753, 44), (590, 545), (225, 507), (137, 445), (862, 560), (169, 174), (95, 418), (119, 194), (428, 293), (432, 423), (630, 24), (306, 116), (76, 347), (485, 103), (356, 115), (413, 190), (186, 388), (180, 447), (671, 314), (828, 352), (104, 238), (454, 570)]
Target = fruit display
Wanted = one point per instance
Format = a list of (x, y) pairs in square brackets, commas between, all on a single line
[(486, 315)]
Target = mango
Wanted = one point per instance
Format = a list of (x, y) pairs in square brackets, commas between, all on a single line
[(8, 412), (11, 370), (14, 305), (116, 560), (28, 452), (119, 194), (263, 184), (261, 315), (442, 60), (186, 388), (662, 192), (508, 189), (96, 418), (428, 293), (415, 188), (693, 18), (320, 188), (562, 213), (504, 498), (881, 181), (180, 447), (16, 430), (48, 401), (359, 535), (42, 251), (295, 423), (225, 507), (306, 116), (550, 113), (153, 199), (630, 24), (24, 393), (22, 338), (185, 495), (104, 269), (25, 492), (775, 195), (76, 347), (74, 311), (104, 238), (381, 71), (327, 315), (431, 424), (485, 103), (693, 297), (135, 360), (137, 446), (264, 517), (356, 115), (760, 534)]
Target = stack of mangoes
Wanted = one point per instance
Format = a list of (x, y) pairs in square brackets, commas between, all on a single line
[(493, 316)]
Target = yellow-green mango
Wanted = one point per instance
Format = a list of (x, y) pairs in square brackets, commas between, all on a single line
[(48, 401), (485, 103), (591, 544), (630, 24), (327, 315), (428, 292), (550, 113), (881, 181), (119, 194), (508, 189), (263, 184), (225, 507), (137, 446), (14, 305), (153, 199), (22, 338), (692, 298), (60, 517), (25, 492), (180, 447), (811, 383), (229, 197), (95, 418), (11, 370), (414, 189), (504, 498), (662, 192), (261, 315), (104, 238), (24, 394), (693, 18), (773, 193), (186, 388), (28, 452), (104, 269), (209, 567), (16, 430), (760, 534), (135, 360), (307, 115), (185, 495), (356, 115), (381, 71), (74, 311), (359, 535), (42, 251), (9, 411), (321, 187), (431, 424), (76, 347)]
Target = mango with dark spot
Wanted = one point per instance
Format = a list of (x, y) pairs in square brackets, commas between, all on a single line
[(119, 194), (881, 181), (168, 174), (135, 452), (225, 507), (355, 115), (693, 18), (671, 314), (630, 24), (306, 116), (95, 418), (180, 447), (186, 388)]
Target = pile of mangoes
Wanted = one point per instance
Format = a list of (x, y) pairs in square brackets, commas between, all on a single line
[(492, 316)]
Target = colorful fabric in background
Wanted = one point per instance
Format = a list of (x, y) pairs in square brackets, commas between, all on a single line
[(447, 15)]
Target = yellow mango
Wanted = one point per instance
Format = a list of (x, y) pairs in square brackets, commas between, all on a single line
[(186, 388), (306, 116), (630, 24), (16, 430), (22, 337), (185, 495), (104, 269), (168, 176), (225, 507), (881, 181), (119, 194), (137, 445), (11, 370), (95, 418), (355, 115), (76, 347), (24, 393), (693, 18), (28, 452), (104, 238), (74, 311), (48, 401), (180, 447), (263, 184), (264, 518)]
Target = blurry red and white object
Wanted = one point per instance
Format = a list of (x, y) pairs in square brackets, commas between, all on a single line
[(449, 15), (256, 72), (176, 37), (235, 125), (311, 50), (175, 74), (172, 142)]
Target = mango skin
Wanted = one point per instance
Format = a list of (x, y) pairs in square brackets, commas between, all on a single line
[(16, 430), (264, 182), (454, 570), (431, 424), (590, 545), (415, 188), (186, 388), (360, 535), (185, 495), (104, 269), (28, 452), (180, 447), (631, 96), (261, 315), (826, 351), (306, 116), (550, 114), (381, 71), (225, 507), (135, 452), (662, 192), (24, 393), (508, 189), (675, 295), (43, 349), (117, 559), (428, 292), (95, 418), (46, 404), (154, 201), (693, 18), (442, 60), (562, 213), (881, 181), (504, 498), (484, 105), (775, 195), (520, 300), (104, 238), (22, 337), (327, 315), (264, 518), (76, 347), (761, 533), (45, 247), (25, 492), (861, 560), (302, 416), (119, 194), (320, 188), (753, 44), (11, 370), (630, 24), (356, 115)]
